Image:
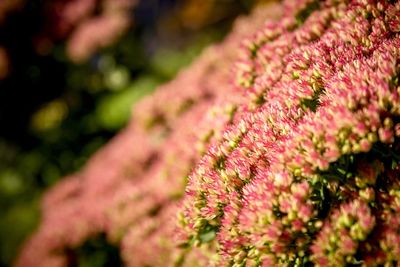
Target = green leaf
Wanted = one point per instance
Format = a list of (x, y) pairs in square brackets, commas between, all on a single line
[(208, 236)]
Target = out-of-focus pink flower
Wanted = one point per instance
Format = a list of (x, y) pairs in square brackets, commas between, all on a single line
[(94, 34), (86, 25)]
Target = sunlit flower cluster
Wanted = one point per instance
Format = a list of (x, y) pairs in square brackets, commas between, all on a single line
[(311, 145), (131, 188), (289, 157)]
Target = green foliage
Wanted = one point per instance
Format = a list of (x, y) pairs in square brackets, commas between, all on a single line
[(96, 252), (16, 223), (113, 110)]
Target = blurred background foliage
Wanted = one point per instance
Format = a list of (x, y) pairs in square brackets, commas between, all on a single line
[(56, 109)]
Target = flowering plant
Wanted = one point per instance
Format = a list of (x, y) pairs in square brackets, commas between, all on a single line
[(295, 162)]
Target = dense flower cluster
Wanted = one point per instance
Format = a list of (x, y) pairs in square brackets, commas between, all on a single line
[(130, 189), (323, 103), (292, 161)]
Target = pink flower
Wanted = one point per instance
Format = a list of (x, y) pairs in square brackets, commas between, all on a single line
[(296, 163)]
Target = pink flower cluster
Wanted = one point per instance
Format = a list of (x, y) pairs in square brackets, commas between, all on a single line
[(99, 31), (292, 158), (321, 90), (85, 31), (130, 189)]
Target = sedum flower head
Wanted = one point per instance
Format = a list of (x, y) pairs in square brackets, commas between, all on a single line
[(292, 159)]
